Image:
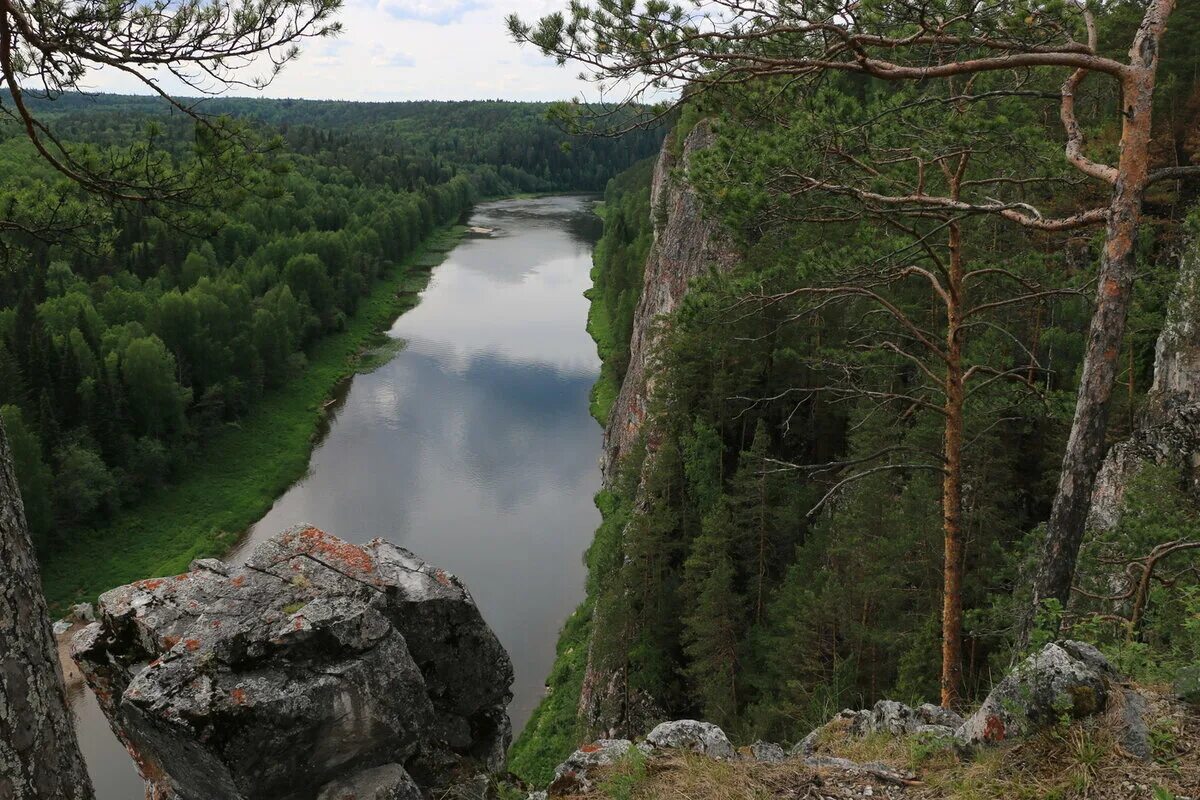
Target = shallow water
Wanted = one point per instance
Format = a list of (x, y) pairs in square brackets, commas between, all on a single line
[(472, 446)]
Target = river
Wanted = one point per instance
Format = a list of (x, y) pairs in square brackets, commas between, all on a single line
[(472, 446)]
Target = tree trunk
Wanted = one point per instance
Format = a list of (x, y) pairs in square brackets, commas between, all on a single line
[(1085, 446), (39, 754), (952, 577)]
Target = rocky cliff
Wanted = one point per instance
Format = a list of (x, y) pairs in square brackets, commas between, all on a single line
[(1169, 431), (319, 669), (686, 245)]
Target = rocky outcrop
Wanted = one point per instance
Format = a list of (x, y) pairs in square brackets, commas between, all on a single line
[(1169, 431), (688, 734), (686, 245), (1066, 679), (319, 669)]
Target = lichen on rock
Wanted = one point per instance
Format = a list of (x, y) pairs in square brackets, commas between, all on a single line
[(316, 662)]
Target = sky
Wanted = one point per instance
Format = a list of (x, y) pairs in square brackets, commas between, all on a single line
[(412, 50)]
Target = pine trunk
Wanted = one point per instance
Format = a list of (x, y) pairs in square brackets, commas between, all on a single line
[(1085, 446), (39, 754), (952, 579)]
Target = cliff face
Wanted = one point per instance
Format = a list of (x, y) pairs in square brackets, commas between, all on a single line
[(1169, 432), (686, 245), (319, 669)]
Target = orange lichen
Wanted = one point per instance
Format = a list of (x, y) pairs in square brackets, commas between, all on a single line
[(441, 577), (150, 584), (344, 554), (993, 729), (192, 645), (238, 696), (170, 641), (590, 748)]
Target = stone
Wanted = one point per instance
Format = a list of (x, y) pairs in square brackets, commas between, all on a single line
[(62, 626), (389, 782), (889, 716), (1063, 679), (574, 774), (315, 662), (82, 612), (767, 752), (1133, 730), (1187, 685), (929, 714), (688, 734)]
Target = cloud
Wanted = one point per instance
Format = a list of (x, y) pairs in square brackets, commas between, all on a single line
[(389, 58), (439, 12)]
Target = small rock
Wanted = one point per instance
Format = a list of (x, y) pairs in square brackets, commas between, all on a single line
[(688, 734), (929, 714), (82, 612), (1134, 732), (62, 626), (888, 716), (767, 752)]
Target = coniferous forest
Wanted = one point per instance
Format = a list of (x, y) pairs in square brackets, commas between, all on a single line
[(896, 304)]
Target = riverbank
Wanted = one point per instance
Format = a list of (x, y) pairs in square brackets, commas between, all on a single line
[(242, 470)]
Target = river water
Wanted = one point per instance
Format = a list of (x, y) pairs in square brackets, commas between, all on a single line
[(472, 446)]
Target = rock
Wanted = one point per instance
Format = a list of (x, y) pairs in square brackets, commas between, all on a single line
[(573, 775), (537, 796), (1169, 432), (891, 717), (318, 661), (1134, 733), (82, 612), (389, 782), (766, 752), (1065, 678), (929, 714), (688, 734), (62, 626), (1187, 684)]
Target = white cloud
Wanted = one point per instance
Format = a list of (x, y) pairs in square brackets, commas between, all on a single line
[(452, 50)]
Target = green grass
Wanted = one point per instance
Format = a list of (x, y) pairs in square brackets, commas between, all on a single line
[(605, 389), (241, 470)]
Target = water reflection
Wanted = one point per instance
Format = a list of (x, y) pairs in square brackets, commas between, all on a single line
[(472, 446)]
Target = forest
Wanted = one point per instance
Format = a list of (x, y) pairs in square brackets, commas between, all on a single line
[(129, 341), (777, 545)]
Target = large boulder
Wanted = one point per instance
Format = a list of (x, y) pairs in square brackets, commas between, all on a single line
[(1066, 679), (575, 775), (688, 734), (318, 663)]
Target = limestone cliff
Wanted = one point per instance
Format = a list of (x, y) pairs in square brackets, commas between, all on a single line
[(1169, 432), (686, 245), (319, 669)]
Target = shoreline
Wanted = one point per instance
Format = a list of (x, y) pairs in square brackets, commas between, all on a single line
[(242, 470)]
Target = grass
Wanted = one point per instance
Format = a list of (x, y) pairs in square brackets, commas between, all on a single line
[(241, 470)]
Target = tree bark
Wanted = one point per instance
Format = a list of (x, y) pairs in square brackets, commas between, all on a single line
[(39, 753), (952, 578), (1085, 445)]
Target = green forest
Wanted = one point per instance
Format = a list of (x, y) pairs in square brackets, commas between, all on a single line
[(773, 549), (144, 353)]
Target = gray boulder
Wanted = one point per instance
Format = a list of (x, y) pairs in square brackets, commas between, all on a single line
[(316, 662), (929, 714), (1064, 679), (574, 774), (688, 734), (889, 716), (82, 612), (767, 752)]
